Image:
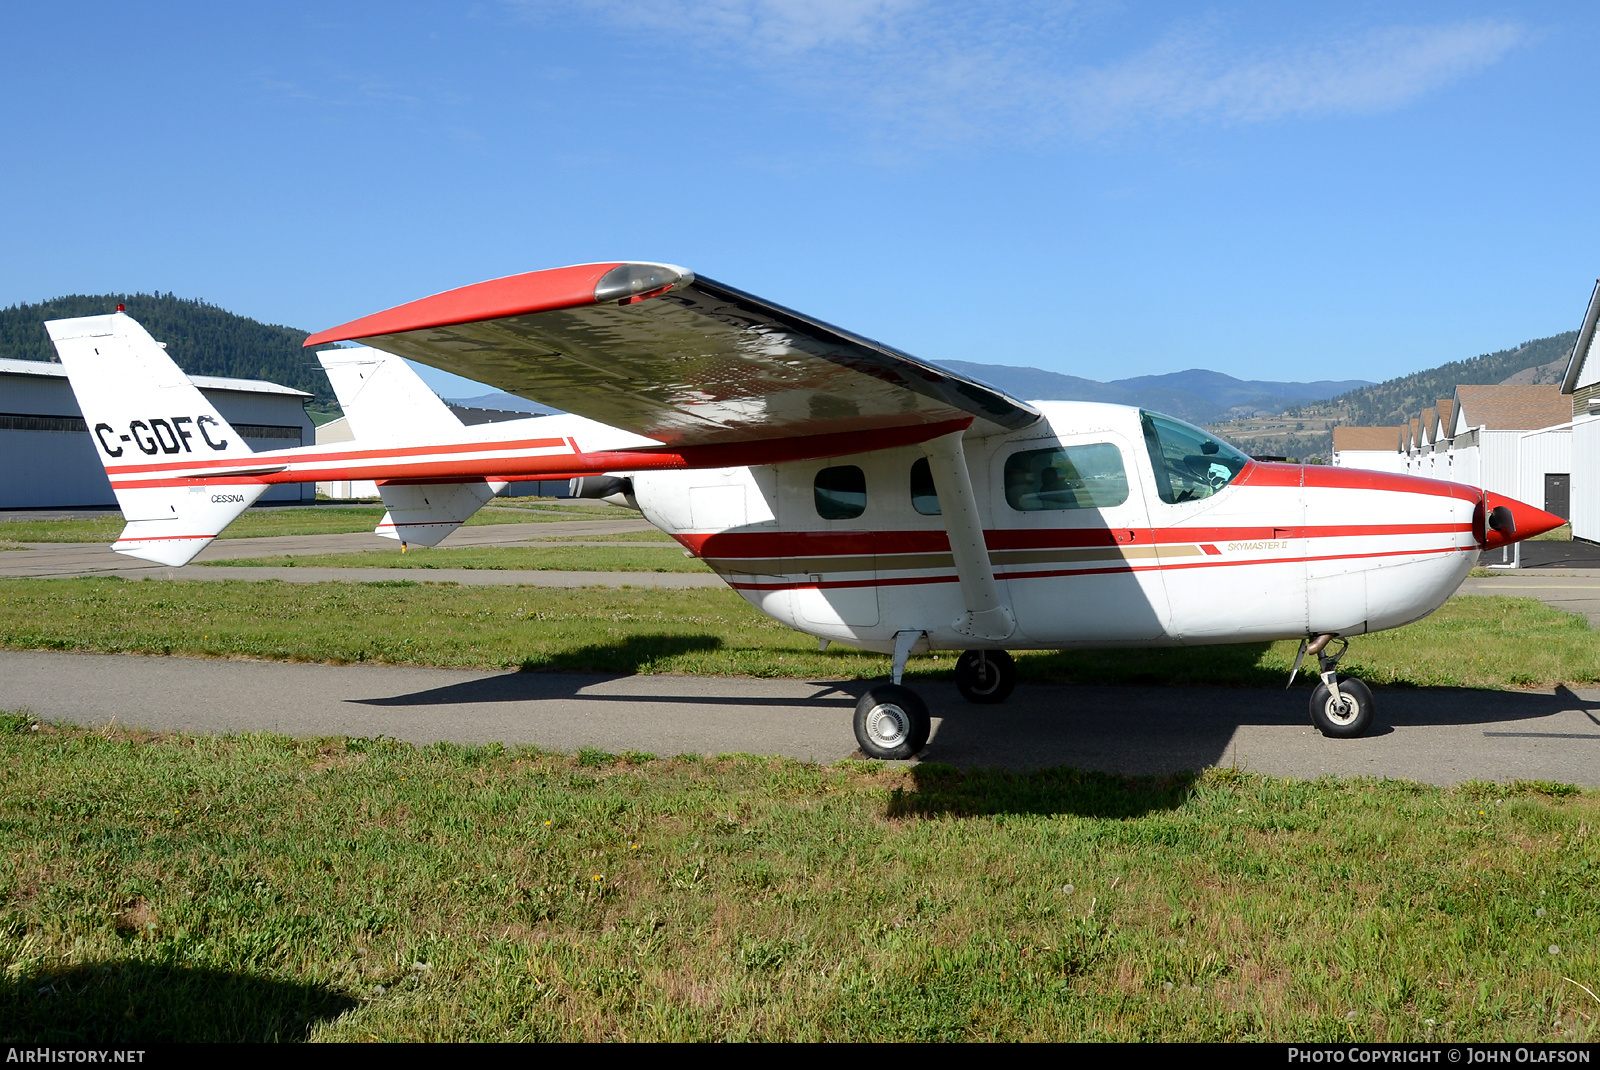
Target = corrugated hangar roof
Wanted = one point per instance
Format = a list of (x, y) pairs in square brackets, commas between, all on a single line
[(52, 370)]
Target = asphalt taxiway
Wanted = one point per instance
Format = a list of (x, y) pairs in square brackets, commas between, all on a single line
[(1436, 735)]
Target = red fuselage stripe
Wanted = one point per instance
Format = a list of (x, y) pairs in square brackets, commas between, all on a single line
[(334, 456), (364, 464), (902, 581), (746, 545)]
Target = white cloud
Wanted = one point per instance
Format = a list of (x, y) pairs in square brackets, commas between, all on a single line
[(769, 26), (925, 70), (1189, 78)]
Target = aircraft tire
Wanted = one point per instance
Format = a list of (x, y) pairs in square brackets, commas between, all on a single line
[(986, 676), (1346, 720), (891, 723)]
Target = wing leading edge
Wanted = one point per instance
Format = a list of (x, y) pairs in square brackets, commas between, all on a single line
[(661, 352)]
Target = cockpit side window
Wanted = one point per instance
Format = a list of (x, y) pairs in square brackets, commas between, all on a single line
[(924, 495), (1066, 477), (1189, 464), (841, 492)]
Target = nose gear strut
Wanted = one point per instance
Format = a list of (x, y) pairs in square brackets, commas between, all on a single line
[(1341, 709)]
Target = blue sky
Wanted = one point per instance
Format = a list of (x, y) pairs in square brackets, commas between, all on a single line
[(1274, 191)]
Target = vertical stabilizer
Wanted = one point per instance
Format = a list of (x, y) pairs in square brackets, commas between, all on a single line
[(144, 413), (388, 404), (384, 400)]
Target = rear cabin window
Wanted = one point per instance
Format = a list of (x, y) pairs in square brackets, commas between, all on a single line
[(924, 496), (1189, 464), (1066, 477), (841, 492)]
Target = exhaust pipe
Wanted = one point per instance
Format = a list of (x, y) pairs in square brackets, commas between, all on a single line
[(614, 490)]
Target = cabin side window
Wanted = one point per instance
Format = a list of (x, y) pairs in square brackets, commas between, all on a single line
[(841, 492), (1066, 477), (1189, 464), (924, 495)]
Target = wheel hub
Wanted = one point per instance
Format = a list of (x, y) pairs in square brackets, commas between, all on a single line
[(888, 725), (1343, 710)]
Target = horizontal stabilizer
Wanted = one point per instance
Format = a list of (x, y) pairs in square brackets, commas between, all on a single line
[(422, 514), (195, 515)]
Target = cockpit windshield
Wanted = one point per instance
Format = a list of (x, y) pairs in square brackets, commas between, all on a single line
[(1189, 464)]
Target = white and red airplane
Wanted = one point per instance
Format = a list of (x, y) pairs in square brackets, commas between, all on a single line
[(844, 488)]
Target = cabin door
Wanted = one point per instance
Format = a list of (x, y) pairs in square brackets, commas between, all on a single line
[(1072, 540)]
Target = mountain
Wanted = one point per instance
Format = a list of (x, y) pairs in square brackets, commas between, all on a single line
[(201, 338), (502, 402), (1197, 395), (1306, 431), (1539, 374), (1395, 400)]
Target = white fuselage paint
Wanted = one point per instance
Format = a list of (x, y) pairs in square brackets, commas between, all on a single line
[(1264, 558)]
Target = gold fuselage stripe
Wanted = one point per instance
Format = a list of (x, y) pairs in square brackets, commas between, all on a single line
[(791, 566)]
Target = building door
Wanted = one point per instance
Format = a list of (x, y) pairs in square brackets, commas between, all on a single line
[(1558, 494)]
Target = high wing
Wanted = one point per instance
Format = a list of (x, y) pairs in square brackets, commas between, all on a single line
[(658, 351)]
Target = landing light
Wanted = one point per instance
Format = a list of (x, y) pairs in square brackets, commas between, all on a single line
[(631, 280)]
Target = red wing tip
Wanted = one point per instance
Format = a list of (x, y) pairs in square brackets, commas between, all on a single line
[(515, 295)]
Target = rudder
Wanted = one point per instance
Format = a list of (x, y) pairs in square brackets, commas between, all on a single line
[(144, 414)]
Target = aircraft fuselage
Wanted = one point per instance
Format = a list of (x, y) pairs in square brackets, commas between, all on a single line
[(1280, 551)]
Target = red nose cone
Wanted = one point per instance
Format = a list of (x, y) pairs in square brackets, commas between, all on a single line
[(1526, 521)]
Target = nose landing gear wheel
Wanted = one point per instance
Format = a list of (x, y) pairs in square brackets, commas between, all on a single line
[(891, 723), (986, 676), (1348, 717)]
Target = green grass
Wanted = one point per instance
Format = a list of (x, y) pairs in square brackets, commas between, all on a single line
[(664, 558), (303, 520), (244, 888), (647, 535), (1471, 642)]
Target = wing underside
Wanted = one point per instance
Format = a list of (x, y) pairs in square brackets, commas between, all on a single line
[(681, 359)]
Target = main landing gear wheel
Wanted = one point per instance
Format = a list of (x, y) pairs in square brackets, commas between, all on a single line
[(986, 676), (891, 723), (1348, 716)]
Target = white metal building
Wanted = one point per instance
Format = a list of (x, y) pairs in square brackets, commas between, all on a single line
[(1514, 440), (1581, 386), (1376, 449), (50, 461)]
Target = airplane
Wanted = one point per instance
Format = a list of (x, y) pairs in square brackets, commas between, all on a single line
[(843, 487)]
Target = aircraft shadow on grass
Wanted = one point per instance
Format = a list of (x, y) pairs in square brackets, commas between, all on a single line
[(123, 1003), (1144, 726), (946, 791)]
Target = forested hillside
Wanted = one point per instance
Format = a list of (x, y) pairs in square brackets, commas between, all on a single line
[(1392, 401), (202, 338), (1305, 432)]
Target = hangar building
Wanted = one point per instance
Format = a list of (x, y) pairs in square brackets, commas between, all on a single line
[(1581, 385), (1372, 448), (50, 460)]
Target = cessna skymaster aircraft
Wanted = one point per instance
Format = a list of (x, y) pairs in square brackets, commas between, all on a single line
[(841, 486)]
